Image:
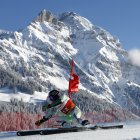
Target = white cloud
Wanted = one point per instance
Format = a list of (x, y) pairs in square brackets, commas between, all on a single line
[(134, 56)]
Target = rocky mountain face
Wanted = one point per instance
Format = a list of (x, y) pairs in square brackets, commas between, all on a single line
[(36, 58)]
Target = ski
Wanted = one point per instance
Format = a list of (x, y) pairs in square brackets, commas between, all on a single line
[(28, 132), (66, 130), (111, 126), (50, 131), (78, 129)]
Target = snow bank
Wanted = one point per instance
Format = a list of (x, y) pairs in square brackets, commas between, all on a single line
[(129, 132)]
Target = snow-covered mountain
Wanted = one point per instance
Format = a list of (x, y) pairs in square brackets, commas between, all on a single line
[(35, 60)]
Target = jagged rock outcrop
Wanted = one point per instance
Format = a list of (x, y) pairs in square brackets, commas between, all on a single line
[(46, 16)]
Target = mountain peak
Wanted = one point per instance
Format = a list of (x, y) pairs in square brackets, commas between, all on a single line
[(67, 14), (45, 15)]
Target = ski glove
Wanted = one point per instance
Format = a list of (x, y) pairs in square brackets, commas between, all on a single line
[(44, 119)]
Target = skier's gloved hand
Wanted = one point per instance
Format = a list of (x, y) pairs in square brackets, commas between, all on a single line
[(39, 122)]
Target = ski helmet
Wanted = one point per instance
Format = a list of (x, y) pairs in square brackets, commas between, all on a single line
[(54, 95)]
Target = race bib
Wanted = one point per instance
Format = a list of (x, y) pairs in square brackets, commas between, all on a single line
[(68, 107)]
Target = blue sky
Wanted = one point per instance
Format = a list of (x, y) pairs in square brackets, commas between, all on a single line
[(120, 17)]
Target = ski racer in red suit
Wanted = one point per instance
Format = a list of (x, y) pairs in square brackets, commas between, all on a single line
[(61, 103)]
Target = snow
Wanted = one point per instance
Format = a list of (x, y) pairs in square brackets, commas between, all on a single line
[(7, 94), (129, 132), (109, 54), (86, 24), (1, 62)]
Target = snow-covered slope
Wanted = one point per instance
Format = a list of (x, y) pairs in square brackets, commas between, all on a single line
[(37, 60), (129, 132)]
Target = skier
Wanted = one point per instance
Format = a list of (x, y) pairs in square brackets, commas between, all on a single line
[(56, 102)]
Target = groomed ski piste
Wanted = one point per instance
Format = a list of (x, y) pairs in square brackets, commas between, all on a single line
[(130, 131)]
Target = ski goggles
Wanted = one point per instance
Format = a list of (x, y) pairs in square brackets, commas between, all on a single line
[(51, 98)]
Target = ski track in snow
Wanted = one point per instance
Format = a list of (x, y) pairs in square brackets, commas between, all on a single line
[(129, 132)]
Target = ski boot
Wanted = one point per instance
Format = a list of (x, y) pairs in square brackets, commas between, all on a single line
[(65, 124), (85, 122)]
